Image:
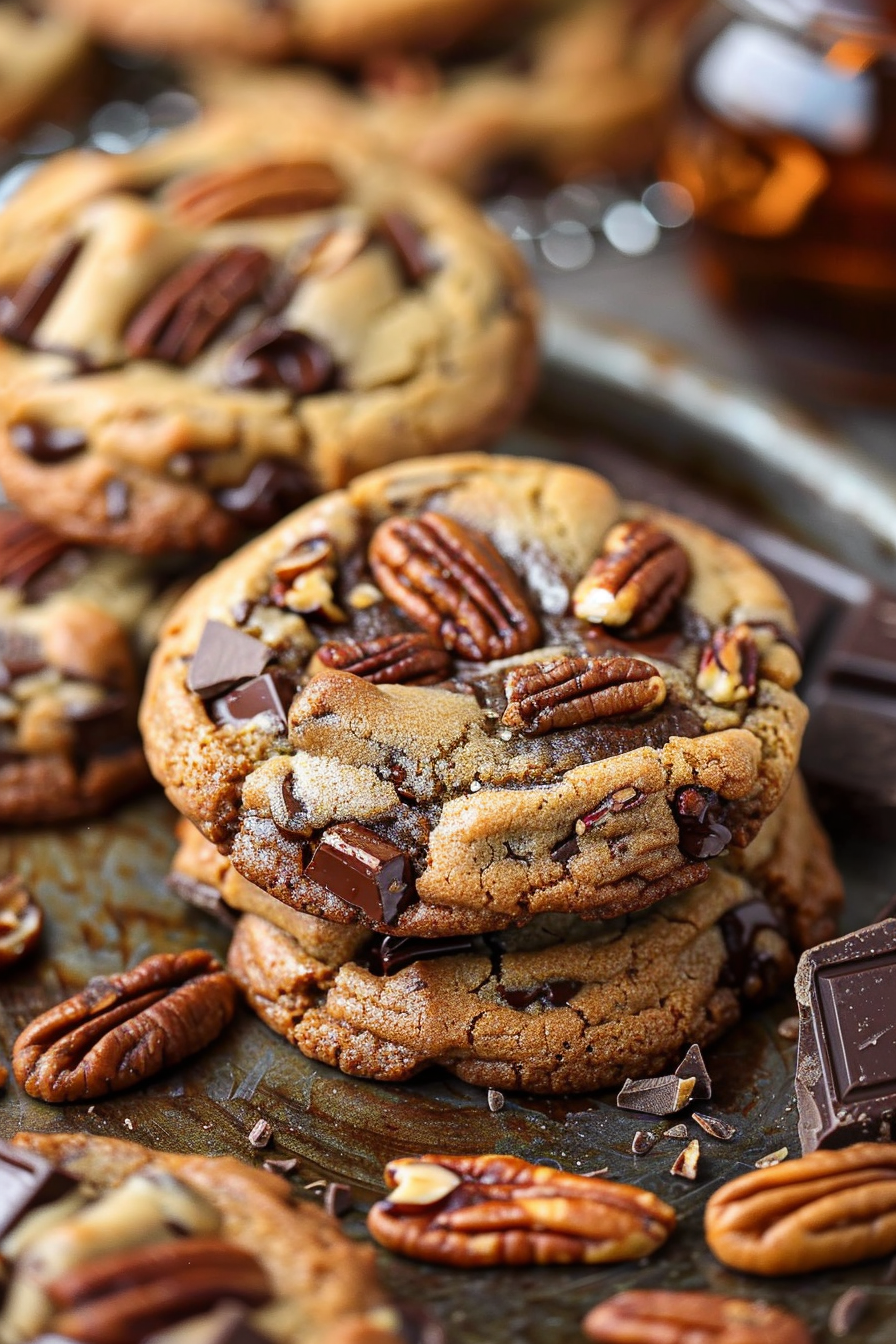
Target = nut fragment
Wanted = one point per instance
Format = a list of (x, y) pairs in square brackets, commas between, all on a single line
[(308, 554), (406, 659), (657, 1316), (718, 1129), (506, 1211), (453, 583), (567, 692), (421, 1183), (253, 191), (636, 582), (834, 1207), (729, 666), (120, 1031), (772, 1159), (686, 1162), (21, 921)]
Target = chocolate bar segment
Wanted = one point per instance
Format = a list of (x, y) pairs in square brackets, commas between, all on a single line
[(363, 869), (271, 694), (225, 658), (846, 1060), (27, 1182)]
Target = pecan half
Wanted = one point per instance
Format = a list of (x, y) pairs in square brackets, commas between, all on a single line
[(454, 583), (254, 191), (830, 1208), (504, 1211), (193, 304), (21, 921), (729, 666), (635, 582), (124, 1297), (572, 691), (120, 1031), (22, 312), (655, 1316), (407, 659)]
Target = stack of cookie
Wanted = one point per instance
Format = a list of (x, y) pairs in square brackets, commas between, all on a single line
[(500, 771)]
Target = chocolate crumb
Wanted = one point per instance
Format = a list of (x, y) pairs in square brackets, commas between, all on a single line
[(656, 1096), (685, 1163), (675, 1132), (789, 1028), (338, 1199), (643, 1141), (260, 1133), (280, 1166), (495, 1100), (847, 1311), (772, 1159), (719, 1129), (694, 1066)]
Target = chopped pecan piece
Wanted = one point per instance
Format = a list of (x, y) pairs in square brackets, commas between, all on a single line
[(454, 583), (572, 691), (124, 1297), (729, 666), (411, 660), (828, 1209), (308, 554), (122, 1030), (504, 1211), (22, 312), (193, 304), (21, 921), (656, 1316), (254, 191), (636, 582)]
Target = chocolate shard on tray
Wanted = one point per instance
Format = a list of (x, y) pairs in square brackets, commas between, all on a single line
[(27, 1182), (846, 1058), (225, 658), (694, 1066), (363, 869), (656, 1096)]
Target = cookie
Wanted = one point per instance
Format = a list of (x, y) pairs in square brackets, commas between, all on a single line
[(38, 56), (202, 334), (464, 693), (326, 30), (576, 87), (559, 1006), (193, 1233), (75, 630)]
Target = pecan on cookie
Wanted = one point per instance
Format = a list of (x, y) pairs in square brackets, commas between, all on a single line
[(121, 1030), (656, 1317), (453, 749), (817, 1212), (472, 1212), (197, 337)]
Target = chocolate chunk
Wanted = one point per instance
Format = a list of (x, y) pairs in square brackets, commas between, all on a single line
[(27, 1182), (47, 444), (719, 1129), (338, 1199), (118, 500), (566, 850), (20, 656), (273, 488), (271, 694), (551, 994), (25, 549), (409, 246), (752, 971), (364, 870), (694, 1066), (698, 811), (495, 1100), (865, 651), (201, 896), (675, 1132), (273, 357), (22, 312), (643, 1142), (105, 729), (389, 953), (846, 1059), (225, 658), (847, 1311), (655, 1096)]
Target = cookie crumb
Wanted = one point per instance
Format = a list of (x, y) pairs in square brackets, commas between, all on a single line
[(495, 1100), (789, 1028), (772, 1159), (847, 1311), (260, 1133), (686, 1162)]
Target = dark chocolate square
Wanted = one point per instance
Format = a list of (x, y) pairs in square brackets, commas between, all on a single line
[(858, 1007)]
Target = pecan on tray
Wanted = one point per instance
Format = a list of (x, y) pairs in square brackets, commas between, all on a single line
[(406, 659), (128, 1295), (568, 692), (636, 582), (254, 191), (494, 1210), (832, 1208), (655, 1316), (453, 583), (729, 666), (21, 921), (189, 308), (122, 1030)]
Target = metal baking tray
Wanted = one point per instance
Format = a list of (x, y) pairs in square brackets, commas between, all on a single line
[(103, 889)]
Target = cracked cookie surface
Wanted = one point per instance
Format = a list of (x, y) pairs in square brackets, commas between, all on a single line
[(561, 1005), (198, 336), (550, 762)]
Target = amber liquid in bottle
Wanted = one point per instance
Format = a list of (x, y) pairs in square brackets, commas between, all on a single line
[(787, 141)]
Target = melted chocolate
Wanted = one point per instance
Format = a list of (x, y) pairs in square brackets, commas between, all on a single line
[(389, 953), (699, 812), (551, 994), (753, 972)]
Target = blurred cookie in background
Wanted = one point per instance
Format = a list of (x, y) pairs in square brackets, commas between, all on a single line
[(40, 57)]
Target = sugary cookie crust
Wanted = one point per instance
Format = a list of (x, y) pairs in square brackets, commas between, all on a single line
[(327, 1282), (487, 851), (441, 360)]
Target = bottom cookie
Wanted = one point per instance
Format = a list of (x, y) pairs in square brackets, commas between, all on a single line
[(562, 1005)]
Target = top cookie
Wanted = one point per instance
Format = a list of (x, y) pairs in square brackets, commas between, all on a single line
[(341, 31), (200, 335), (462, 693)]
